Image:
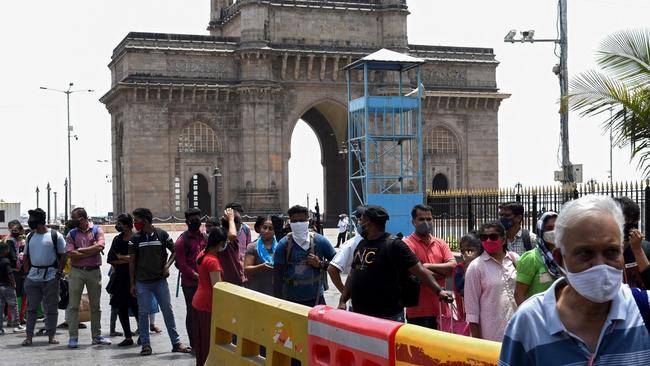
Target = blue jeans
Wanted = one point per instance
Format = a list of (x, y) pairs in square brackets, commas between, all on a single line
[(399, 317), (160, 289)]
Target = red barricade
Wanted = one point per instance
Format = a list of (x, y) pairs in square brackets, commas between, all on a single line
[(343, 338)]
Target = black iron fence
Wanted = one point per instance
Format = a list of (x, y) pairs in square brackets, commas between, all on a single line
[(459, 211)]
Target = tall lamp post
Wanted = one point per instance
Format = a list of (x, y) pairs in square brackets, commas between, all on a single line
[(38, 193), (55, 213), (67, 96), (66, 199), (48, 202), (216, 173)]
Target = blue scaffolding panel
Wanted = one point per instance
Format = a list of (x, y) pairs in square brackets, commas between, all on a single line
[(385, 137)]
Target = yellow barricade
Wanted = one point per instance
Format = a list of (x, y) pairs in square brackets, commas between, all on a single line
[(257, 320), (416, 345)]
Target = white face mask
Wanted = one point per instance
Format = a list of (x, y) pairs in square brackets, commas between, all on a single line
[(300, 231), (598, 284), (549, 236)]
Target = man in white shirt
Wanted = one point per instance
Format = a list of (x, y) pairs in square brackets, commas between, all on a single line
[(343, 229), (342, 261)]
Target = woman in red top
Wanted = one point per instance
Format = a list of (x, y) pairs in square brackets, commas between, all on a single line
[(209, 274)]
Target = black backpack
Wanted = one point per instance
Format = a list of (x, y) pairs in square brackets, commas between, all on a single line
[(409, 285)]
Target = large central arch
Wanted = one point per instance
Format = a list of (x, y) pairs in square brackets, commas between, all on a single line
[(328, 119)]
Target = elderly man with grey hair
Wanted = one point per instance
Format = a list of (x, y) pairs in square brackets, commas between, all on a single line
[(587, 317)]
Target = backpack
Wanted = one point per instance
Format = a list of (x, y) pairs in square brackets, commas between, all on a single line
[(64, 294), (322, 277), (525, 237), (187, 248), (409, 285), (641, 299), (55, 239)]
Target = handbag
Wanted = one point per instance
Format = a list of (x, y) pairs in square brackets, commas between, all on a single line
[(409, 285), (452, 323), (111, 283)]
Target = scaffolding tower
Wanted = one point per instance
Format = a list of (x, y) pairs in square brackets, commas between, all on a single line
[(385, 137)]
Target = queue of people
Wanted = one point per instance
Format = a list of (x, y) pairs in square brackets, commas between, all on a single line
[(557, 288)]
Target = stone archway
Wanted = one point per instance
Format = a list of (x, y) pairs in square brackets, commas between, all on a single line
[(328, 120)]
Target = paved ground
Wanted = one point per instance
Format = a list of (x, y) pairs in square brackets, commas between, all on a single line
[(12, 353)]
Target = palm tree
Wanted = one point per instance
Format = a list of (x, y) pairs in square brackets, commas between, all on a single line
[(623, 86)]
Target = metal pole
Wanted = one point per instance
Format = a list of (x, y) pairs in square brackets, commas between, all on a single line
[(66, 200), (67, 96), (38, 191), (564, 92), (48, 202), (55, 208), (611, 147)]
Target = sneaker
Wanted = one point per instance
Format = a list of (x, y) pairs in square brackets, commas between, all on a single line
[(102, 341), (115, 334), (2, 331), (73, 343), (19, 328)]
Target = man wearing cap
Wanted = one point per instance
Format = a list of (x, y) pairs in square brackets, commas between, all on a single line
[(436, 257), (379, 263), (343, 229), (44, 260), (187, 248)]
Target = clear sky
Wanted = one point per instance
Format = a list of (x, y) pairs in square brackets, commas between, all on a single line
[(52, 43)]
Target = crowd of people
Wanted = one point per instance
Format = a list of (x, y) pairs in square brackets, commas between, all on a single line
[(556, 289)]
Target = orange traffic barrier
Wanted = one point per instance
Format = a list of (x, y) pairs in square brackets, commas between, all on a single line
[(416, 345), (250, 328), (338, 337)]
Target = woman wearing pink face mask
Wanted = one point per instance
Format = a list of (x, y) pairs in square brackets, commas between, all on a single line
[(490, 285)]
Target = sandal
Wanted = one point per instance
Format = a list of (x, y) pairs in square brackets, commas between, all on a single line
[(180, 348), (27, 342), (53, 341), (146, 351), (154, 328)]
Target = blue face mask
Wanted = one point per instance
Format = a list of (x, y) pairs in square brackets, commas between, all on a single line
[(507, 222)]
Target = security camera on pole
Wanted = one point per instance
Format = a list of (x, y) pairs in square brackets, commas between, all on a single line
[(568, 174)]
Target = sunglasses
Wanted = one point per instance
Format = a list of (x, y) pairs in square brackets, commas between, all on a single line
[(485, 237)]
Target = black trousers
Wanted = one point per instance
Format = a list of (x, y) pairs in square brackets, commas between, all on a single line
[(341, 238), (123, 315), (425, 321), (188, 294)]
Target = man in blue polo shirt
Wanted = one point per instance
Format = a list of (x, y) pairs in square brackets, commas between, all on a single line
[(588, 317)]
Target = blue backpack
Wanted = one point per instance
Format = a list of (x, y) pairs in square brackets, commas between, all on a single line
[(641, 299)]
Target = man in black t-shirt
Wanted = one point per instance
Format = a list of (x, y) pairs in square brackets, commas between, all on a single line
[(7, 287), (379, 262), (634, 275)]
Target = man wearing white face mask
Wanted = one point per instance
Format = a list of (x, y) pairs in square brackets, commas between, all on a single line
[(437, 258), (587, 318), (300, 261)]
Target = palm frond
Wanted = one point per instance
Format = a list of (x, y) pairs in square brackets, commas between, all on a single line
[(626, 55)]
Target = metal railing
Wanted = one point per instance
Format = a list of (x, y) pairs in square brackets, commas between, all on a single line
[(458, 211)]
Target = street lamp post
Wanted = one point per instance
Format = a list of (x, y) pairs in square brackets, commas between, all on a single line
[(67, 95), (65, 216), (38, 191), (48, 202), (216, 173), (55, 213)]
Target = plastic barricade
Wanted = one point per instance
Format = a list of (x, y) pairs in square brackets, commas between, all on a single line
[(268, 331), (343, 338), (416, 345)]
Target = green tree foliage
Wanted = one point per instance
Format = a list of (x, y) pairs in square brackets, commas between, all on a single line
[(623, 85)]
